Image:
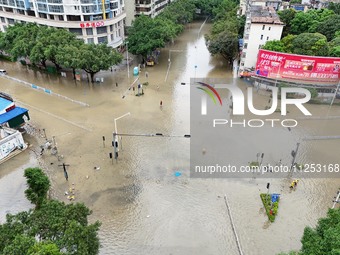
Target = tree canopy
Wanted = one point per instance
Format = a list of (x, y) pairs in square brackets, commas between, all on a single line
[(41, 44), (308, 21), (324, 238), (53, 228), (227, 29)]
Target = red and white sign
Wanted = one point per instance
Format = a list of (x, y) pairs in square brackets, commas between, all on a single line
[(92, 24), (277, 65)]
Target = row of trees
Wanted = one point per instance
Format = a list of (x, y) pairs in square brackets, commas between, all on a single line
[(312, 44), (146, 34), (52, 228), (323, 239), (324, 21), (315, 32), (41, 44), (227, 29)]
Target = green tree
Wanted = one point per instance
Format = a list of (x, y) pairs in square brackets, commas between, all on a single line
[(274, 45), (69, 56), (38, 185), (96, 57), (330, 26), (324, 238), (286, 16), (44, 248), (54, 228), (335, 7), (288, 43), (19, 246), (226, 44), (147, 34), (295, 2), (19, 40), (54, 40), (311, 44), (308, 21)]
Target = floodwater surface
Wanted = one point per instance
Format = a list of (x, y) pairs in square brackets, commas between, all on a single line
[(144, 208)]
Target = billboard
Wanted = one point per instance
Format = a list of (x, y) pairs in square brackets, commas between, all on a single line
[(277, 65)]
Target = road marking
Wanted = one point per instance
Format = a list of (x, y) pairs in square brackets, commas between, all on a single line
[(56, 116)]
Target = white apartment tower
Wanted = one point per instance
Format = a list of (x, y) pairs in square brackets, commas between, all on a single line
[(262, 25), (151, 8), (95, 21)]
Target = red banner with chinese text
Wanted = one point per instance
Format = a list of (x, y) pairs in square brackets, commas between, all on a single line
[(277, 65)]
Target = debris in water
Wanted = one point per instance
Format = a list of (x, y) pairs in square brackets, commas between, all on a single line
[(178, 174)]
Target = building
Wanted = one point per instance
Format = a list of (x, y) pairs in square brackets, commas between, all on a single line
[(151, 8), (246, 4), (11, 143), (262, 25), (11, 115), (85, 18)]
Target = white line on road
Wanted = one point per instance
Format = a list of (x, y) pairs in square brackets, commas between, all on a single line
[(55, 116)]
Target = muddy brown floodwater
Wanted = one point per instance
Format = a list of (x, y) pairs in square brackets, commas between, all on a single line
[(143, 207)]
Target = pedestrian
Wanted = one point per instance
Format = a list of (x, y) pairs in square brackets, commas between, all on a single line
[(161, 103), (116, 84), (111, 68), (146, 74)]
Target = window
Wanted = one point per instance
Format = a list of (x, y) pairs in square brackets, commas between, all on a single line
[(101, 30), (267, 38), (111, 37), (102, 39), (10, 21), (3, 20), (245, 46), (244, 55), (261, 37), (269, 28), (111, 28), (89, 31), (90, 40), (77, 31), (263, 27), (56, 8)]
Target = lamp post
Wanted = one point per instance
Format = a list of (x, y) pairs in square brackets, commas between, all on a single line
[(127, 59), (116, 131)]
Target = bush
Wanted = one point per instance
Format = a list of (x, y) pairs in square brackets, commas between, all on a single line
[(266, 200)]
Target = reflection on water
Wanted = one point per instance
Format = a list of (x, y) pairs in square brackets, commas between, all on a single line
[(144, 207)]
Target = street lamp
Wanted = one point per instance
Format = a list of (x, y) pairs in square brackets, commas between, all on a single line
[(115, 134), (127, 59)]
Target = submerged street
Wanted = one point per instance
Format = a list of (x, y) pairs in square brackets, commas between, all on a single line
[(144, 208)]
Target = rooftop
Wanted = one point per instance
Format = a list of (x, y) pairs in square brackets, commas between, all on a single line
[(264, 14)]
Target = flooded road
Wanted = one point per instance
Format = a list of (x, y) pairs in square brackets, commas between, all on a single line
[(144, 208)]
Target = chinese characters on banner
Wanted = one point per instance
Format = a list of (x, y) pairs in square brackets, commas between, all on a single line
[(92, 24), (278, 65)]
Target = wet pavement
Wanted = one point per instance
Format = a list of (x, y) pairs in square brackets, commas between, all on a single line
[(143, 206)]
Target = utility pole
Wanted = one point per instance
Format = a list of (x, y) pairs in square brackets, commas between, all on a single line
[(65, 171), (115, 147), (294, 153)]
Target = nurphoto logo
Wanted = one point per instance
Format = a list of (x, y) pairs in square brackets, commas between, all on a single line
[(238, 103)]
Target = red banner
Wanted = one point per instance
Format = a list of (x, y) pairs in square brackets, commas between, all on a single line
[(277, 65)]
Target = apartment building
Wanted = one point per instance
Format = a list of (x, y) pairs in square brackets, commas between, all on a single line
[(262, 25), (151, 8), (95, 21), (246, 4)]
